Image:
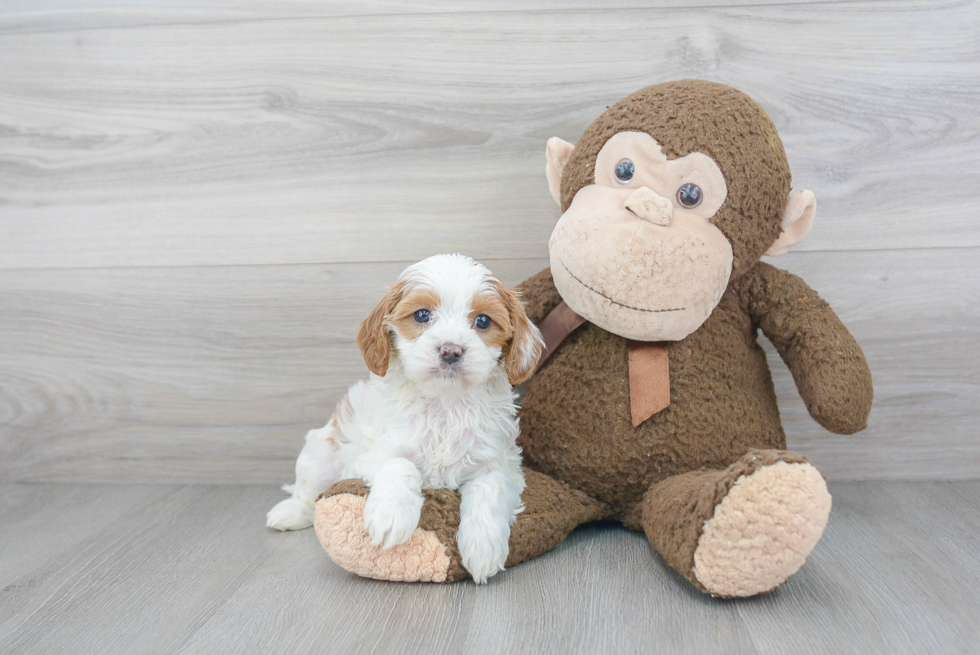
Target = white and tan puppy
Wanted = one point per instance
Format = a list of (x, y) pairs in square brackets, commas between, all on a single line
[(443, 346)]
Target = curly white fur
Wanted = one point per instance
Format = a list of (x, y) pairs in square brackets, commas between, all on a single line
[(429, 422)]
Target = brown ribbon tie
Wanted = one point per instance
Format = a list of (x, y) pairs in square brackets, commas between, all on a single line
[(558, 324), (649, 379), (648, 363)]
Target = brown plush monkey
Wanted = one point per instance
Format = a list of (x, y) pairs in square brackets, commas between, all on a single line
[(655, 405)]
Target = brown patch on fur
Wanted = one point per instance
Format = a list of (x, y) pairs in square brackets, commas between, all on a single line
[(402, 318), (492, 305), (372, 333), (342, 414), (522, 353)]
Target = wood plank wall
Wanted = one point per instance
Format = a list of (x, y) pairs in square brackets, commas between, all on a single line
[(198, 204)]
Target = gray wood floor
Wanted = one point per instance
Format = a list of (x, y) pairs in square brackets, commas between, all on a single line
[(199, 201), (192, 569)]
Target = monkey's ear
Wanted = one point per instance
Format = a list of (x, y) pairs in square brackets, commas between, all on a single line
[(801, 208), (557, 151)]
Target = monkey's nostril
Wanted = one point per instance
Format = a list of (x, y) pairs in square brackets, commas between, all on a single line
[(450, 353)]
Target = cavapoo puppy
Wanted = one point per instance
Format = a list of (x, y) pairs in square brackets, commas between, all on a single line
[(444, 347)]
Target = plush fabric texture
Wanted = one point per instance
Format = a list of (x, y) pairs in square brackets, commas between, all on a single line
[(763, 530), (551, 511), (576, 420), (696, 116), (827, 364), (722, 423), (430, 555), (634, 260), (423, 558), (722, 399), (674, 512)]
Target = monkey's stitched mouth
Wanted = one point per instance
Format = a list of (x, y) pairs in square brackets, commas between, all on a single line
[(616, 302)]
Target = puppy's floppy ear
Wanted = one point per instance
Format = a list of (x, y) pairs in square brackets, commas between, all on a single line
[(372, 333), (526, 344)]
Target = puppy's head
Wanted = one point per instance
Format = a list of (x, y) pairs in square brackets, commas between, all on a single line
[(452, 323)]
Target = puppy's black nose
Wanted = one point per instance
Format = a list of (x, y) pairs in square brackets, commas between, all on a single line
[(450, 353)]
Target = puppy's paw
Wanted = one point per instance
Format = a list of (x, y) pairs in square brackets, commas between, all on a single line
[(290, 514), (391, 515), (430, 554), (483, 549)]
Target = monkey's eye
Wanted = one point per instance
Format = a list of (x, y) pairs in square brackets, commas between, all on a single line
[(689, 196), (482, 322), (624, 171), (422, 316)]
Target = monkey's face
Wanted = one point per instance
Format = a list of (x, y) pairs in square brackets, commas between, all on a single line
[(636, 252)]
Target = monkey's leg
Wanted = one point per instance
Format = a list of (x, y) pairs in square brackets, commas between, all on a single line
[(552, 510), (743, 530)]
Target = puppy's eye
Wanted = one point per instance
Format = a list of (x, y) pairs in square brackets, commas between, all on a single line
[(422, 316), (482, 322), (625, 171), (689, 196)]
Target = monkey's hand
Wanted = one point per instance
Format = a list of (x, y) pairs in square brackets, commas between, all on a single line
[(827, 364)]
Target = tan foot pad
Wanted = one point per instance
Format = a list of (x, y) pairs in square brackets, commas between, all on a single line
[(763, 530), (339, 524)]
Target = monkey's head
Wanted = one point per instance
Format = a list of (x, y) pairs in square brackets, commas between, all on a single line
[(669, 196)]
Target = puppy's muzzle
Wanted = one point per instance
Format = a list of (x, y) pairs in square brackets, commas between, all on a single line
[(450, 353)]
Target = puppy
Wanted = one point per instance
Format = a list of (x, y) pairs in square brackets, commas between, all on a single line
[(444, 347)]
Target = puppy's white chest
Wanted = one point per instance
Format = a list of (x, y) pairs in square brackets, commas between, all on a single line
[(442, 448), (445, 449), (442, 457)]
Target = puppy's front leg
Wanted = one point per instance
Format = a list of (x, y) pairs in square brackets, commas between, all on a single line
[(488, 506), (393, 507)]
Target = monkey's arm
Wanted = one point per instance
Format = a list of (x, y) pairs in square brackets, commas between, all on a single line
[(827, 364), (539, 295)]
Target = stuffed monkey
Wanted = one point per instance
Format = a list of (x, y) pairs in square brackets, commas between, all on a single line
[(653, 404)]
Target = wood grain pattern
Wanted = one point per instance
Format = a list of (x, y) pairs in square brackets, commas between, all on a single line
[(195, 571), (198, 203), (156, 575), (179, 374), (215, 374), (42, 522), (382, 138), (45, 15)]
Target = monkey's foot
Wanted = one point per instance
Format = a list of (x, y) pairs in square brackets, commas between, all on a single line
[(763, 530), (429, 555)]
